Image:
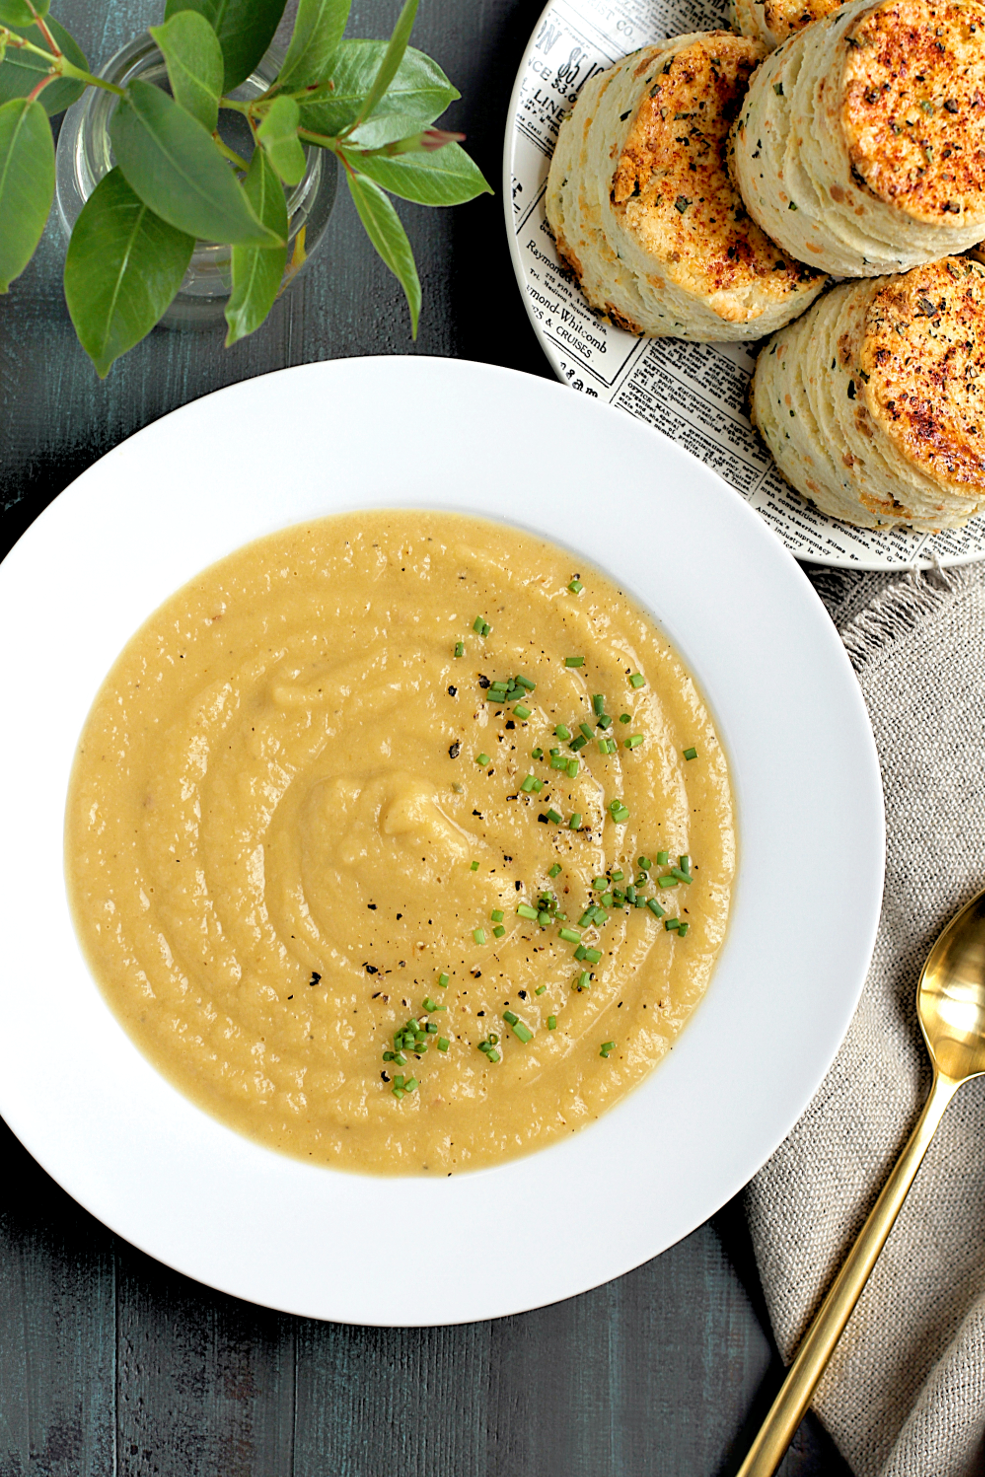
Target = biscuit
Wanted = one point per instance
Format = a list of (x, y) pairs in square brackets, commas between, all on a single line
[(642, 207), (873, 403), (861, 145)]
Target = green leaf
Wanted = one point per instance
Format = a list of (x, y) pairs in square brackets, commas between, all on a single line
[(245, 29), (392, 57), (278, 133), (123, 268), (27, 183), (19, 13), (418, 94), (258, 271), (444, 176), (318, 29), (176, 169), (194, 60), (22, 70), (389, 237)]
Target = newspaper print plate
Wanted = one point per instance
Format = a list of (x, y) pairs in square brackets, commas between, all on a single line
[(694, 393)]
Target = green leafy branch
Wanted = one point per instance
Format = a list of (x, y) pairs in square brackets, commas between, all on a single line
[(372, 104)]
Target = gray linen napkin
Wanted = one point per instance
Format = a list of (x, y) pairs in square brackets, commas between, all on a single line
[(904, 1395)]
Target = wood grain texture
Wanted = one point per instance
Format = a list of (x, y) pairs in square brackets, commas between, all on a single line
[(113, 1366)]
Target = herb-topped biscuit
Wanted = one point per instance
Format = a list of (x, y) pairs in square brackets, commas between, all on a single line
[(642, 207), (861, 147), (873, 403), (772, 21)]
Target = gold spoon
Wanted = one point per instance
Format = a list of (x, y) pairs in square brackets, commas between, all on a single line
[(951, 1011)]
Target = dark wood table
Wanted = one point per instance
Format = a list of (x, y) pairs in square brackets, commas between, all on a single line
[(112, 1364)]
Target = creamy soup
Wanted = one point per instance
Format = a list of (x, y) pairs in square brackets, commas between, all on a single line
[(401, 842)]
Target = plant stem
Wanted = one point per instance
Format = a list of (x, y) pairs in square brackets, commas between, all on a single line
[(67, 69), (324, 140), (11, 38), (228, 153), (38, 21)]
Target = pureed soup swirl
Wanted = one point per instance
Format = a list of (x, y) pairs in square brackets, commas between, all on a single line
[(401, 842)]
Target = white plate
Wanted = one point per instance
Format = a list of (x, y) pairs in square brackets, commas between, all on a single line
[(437, 433), (694, 393)]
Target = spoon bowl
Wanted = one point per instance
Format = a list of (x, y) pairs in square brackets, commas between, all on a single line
[(951, 995), (951, 1011)]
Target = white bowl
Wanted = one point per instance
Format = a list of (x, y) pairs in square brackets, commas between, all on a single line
[(442, 434)]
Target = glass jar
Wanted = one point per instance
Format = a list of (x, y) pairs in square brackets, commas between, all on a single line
[(84, 155)]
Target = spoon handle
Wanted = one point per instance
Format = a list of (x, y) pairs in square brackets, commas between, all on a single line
[(787, 1410)]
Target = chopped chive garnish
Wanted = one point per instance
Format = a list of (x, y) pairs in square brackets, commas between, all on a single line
[(562, 732), (671, 923), (478, 623), (634, 741), (399, 1081), (606, 899), (581, 952), (498, 931), (398, 1092), (459, 648), (681, 875), (598, 703), (544, 917), (536, 753), (625, 718), (600, 883), (603, 746), (644, 862), (528, 784), (493, 1039), (431, 1028), (400, 1059), (525, 682), (630, 894), (571, 936), (496, 915), (637, 679), (555, 816), (493, 1056), (575, 822), (443, 1043), (574, 661), (474, 867), (499, 687), (578, 743), (555, 871), (410, 1084), (510, 1018), (604, 721), (586, 730), (521, 711), (640, 901), (593, 955), (552, 1022), (618, 875), (540, 989), (654, 907), (690, 753), (668, 881), (619, 812), (558, 761), (479, 934), (606, 1047), (429, 1005), (587, 918), (684, 862), (575, 586), (388, 1056), (682, 929), (523, 1032), (662, 858), (526, 911), (443, 981), (482, 760), (584, 980)]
